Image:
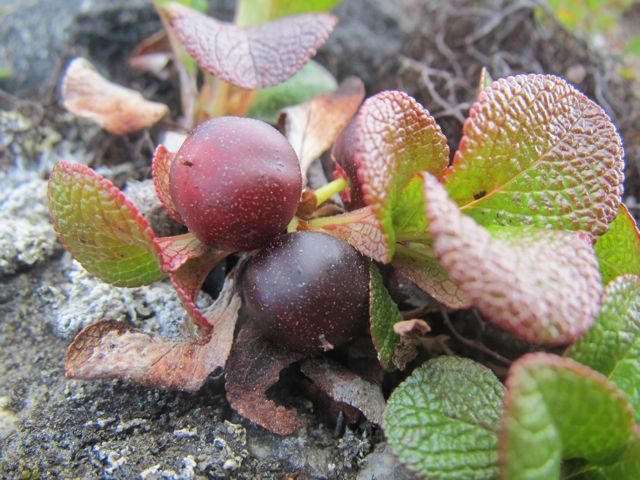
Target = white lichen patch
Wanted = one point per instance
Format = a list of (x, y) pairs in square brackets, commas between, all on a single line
[(85, 299), (26, 236)]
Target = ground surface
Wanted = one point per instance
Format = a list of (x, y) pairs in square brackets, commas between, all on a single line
[(53, 428)]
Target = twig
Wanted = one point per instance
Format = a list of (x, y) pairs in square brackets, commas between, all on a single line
[(472, 343)]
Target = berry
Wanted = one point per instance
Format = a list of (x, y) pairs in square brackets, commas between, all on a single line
[(307, 291), (344, 157), (236, 183)]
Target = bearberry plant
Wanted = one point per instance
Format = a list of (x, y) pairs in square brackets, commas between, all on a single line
[(525, 226)]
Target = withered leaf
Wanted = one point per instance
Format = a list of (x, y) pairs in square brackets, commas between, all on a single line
[(253, 367), (112, 349), (313, 126), (345, 386), (117, 109)]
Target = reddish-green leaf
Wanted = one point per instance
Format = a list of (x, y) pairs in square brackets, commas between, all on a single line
[(103, 230), (618, 250), (537, 152), (162, 159), (188, 280), (394, 138), (612, 346), (359, 228), (420, 264), (178, 250), (255, 56), (542, 285), (558, 409)]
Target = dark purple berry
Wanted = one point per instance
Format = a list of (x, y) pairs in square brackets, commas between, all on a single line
[(307, 291)]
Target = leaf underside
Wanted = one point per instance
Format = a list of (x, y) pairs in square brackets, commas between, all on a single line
[(612, 346), (424, 269), (442, 422), (537, 152), (618, 250), (541, 285), (162, 160), (558, 409), (250, 57), (102, 229)]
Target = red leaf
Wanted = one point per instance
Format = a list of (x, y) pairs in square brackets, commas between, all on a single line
[(162, 159), (178, 250), (250, 57), (111, 349), (253, 367), (188, 280)]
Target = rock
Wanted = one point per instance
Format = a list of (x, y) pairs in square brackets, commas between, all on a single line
[(382, 464), (26, 236)]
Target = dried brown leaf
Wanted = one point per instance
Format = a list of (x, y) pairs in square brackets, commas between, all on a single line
[(117, 109), (345, 386), (253, 367), (412, 335), (250, 57), (111, 349), (313, 126)]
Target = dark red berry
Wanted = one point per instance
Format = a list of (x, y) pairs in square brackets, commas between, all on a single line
[(236, 183), (344, 157), (307, 291)]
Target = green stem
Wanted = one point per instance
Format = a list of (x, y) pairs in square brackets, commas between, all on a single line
[(327, 191), (293, 225), (413, 237)]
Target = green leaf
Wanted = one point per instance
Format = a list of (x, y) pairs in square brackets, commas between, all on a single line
[(612, 346), (627, 467), (383, 314), (395, 138), (311, 81), (254, 12), (442, 422), (542, 285), (103, 230), (537, 152), (558, 409), (618, 250)]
